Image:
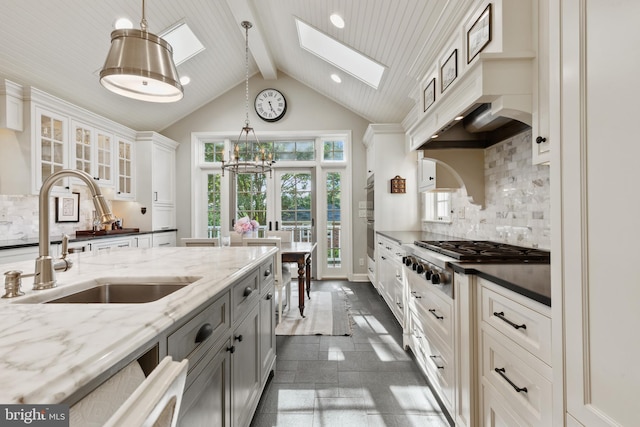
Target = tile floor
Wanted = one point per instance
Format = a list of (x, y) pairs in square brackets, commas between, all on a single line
[(365, 380)]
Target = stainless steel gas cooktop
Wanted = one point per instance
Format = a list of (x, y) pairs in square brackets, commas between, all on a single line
[(485, 251)]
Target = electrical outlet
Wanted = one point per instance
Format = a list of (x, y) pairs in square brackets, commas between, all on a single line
[(362, 204), (362, 213), (461, 212), (361, 262)]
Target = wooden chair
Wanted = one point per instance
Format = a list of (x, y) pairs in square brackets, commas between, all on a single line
[(156, 402), (194, 241), (282, 277), (236, 239)]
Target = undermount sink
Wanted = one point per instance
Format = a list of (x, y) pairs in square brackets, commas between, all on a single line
[(110, 291)]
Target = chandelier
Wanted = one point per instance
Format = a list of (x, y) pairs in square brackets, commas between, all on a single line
[(140, 65), (263, 161)]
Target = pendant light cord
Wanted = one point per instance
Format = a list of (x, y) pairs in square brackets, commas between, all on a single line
[(143, 21), (246, 25)]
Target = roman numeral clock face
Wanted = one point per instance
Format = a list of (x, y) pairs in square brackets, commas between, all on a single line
[(270, 105)]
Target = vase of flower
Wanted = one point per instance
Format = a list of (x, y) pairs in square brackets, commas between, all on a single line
[(247, 227)]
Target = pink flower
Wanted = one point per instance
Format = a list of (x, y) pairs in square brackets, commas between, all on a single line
[(245, 224)]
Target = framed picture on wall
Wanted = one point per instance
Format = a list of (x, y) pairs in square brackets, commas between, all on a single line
[(449, 70), (479, 35), (429, 94), (68, 208)]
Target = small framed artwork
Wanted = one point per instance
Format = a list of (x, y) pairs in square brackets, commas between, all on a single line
[(429, 94), (68, 208), (449, 70), (479, 35)]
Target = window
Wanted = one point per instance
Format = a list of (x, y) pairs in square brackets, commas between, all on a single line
[(213, 205), (213, 151), (294, 150), (437, 206), (333, 151), (251, 197)]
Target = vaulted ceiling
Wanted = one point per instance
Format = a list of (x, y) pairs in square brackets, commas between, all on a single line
[(59, 46)]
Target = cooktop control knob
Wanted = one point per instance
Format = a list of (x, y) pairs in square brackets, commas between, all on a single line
[(420, 269), (435, 278), (408, 261), (428, 274), (404, 259)]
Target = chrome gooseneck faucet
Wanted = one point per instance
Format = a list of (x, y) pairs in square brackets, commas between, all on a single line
[(44, 276)]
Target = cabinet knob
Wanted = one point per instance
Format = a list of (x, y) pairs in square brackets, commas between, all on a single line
[(269, 296), (540, 140), (238, 338), (267, 273), (248, 291), (205, 331), (431, 178), (231, 349)]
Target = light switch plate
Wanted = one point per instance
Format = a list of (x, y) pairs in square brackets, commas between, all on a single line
[(362, 205), (362, 213)]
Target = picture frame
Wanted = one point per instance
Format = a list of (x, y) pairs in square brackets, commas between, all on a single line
[(68, 208), (479, 35), (429, 94), (449, 70)]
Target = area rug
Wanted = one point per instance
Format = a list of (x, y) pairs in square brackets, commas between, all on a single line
[(326, 313)]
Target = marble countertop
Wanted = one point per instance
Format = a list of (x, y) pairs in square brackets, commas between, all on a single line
[(23, 243), (48, 351), (406, 237)]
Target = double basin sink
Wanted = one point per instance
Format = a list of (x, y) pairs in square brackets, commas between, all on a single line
[(110, 291)]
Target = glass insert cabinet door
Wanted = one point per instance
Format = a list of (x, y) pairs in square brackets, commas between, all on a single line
[(51, 136)]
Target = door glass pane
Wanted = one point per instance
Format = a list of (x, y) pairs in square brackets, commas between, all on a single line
[(334, 258), (213, 205), (295, 202), (251, 198)]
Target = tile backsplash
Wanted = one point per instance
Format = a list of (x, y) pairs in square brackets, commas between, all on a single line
[(19, 216), (516, 196)]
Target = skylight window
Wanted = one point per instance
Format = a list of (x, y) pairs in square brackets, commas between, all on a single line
[(340, 55), (185, 44)]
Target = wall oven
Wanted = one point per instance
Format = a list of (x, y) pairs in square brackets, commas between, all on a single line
[(371, 232)]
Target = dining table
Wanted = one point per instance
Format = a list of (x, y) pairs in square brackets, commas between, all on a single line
[(300, 253)]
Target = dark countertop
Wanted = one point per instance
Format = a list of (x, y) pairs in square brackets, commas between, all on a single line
[(23, 243), (405, 237), (530, 280)]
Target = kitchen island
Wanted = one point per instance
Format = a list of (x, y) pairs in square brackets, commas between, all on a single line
[(56, 353)]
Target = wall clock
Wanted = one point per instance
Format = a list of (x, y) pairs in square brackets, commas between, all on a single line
[(270, 105)]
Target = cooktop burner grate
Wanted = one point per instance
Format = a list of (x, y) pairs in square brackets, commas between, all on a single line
[(485, 251)]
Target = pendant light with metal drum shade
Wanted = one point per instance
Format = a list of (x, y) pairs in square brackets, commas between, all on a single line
[(140, 66)]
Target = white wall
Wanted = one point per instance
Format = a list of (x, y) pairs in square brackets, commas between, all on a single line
[(306, 110)]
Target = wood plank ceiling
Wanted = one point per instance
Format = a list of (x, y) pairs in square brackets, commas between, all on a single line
[(59, 46)]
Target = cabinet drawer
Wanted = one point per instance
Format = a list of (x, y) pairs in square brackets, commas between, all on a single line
[(266, 274), (522, 379), (435, 313), (244, 294), (524, 321), (213, 320), (438, 362)]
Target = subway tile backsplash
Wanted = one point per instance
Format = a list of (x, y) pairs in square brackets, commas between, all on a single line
[(516, 197)]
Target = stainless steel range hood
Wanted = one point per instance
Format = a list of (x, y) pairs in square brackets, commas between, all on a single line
[(480, 128)]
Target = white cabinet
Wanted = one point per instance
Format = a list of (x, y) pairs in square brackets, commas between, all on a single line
[(92, 151), (102, 245), (389, 279), (156, 162), (515, 355), (125, 167), (164, 239), (387, 156), (142, 241), (11, 105), (541, 141), (51, 144)]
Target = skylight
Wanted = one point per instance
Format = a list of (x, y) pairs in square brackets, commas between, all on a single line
[(339, 55), (185, 44)]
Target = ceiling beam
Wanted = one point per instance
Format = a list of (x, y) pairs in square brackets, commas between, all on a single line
[(243, 11)]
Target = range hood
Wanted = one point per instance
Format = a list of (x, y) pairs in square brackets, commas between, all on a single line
[(494, 97)]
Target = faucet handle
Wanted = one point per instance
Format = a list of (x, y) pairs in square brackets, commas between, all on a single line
[(65, 245), (12, 283)]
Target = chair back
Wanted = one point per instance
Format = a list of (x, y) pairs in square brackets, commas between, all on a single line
[(235, 239), (156, 402), (194, 241), (286, 236), (268, 241)]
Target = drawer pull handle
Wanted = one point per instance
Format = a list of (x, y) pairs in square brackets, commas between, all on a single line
[(501, 372), (204, 332), (238, 338), (267, 273), (383, 257), (247, 291), (500, 316), (433, 311), (434, 362), (231, 349), (269, 296)]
